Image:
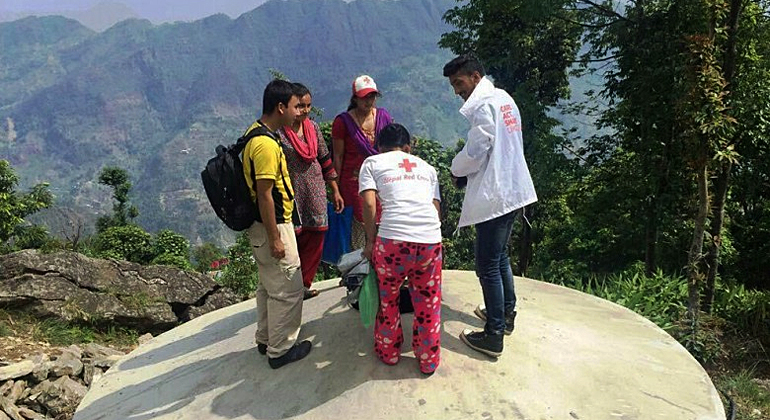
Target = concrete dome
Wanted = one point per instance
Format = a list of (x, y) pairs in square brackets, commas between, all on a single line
[(572, 356)]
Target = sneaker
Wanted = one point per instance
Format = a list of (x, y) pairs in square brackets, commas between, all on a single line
[(481, 312), (262, 349), (296, 352), (491, 345)]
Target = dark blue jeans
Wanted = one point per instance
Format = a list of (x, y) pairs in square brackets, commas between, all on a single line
[(493, 267)]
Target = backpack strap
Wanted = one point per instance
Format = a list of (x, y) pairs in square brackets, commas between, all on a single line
[(262, 130)]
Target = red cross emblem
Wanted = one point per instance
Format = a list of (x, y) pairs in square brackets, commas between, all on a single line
[(407, 165)]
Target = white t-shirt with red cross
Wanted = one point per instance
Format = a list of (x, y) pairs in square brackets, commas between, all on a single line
[(406, 186)]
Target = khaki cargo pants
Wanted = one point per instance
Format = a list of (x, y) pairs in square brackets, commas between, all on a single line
[(280, 290)]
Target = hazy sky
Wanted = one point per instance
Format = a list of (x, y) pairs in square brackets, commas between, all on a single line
[(155, 10)]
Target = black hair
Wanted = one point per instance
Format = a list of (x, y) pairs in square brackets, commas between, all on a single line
[(352, 103), (276, 92), (301, 90), (464, 64), (393, 136)]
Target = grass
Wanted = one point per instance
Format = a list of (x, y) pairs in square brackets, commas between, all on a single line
[(61, 333), (752, 400), (5, 330)]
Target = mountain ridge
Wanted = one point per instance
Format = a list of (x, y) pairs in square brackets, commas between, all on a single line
[(138, 94)]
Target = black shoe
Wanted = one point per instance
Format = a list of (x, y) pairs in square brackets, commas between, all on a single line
[(296, 352), (262, 349), (481, 312), (489, 344)]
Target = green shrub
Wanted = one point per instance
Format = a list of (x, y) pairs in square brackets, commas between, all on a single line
[(171, 243), (204, 255), (240, 274), (748, 310), (659, 298), (172, 260), (129, 242)]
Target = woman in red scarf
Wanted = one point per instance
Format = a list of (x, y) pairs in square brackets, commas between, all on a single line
[(353, 135), (310, 164)]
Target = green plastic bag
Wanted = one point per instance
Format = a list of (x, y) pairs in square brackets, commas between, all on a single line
[(369, 299)]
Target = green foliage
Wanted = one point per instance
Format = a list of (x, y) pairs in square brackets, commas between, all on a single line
[(16, 206), (5, 330), (751, 399), (171, 243), (172, 260), (240, 274), (122, 212), (128, 242), (659, 298), (458, 244), (748, 309), (61, 333), (203, 255)]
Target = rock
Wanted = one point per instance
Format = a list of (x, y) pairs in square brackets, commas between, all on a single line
[(42, 367), (10, 409), (61, 396), (88, 373), (16, 370), (107, 361), (220, 298), (95, 351), (143, 339), (16, 391), (74, 287), (74, 350), (3, 416), (29, 414), (67, 364), (5, 387)]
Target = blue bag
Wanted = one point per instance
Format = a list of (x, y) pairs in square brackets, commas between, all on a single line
[(337, 238)]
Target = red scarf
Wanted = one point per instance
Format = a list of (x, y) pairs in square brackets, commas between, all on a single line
[(308, 149)]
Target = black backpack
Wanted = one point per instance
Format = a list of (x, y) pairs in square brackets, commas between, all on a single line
[(226, 186)]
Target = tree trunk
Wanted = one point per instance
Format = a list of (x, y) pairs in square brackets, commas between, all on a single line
[(651, 238), (695, 255), (714, 245), (525, 246), (723, 178)]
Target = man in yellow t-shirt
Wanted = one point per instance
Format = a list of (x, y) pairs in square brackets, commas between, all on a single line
[(280, 290)]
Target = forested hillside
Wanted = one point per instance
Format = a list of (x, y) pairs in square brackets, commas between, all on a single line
[(155, 100)]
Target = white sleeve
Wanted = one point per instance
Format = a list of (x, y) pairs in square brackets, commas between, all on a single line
[(436, 190), (480, 139), (366, 179)]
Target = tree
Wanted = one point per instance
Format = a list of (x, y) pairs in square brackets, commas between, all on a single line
[(122, 212), (527, 47), (205, 254), (15, 206)]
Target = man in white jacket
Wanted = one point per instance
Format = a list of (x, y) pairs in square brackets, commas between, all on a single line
[(498, 185)]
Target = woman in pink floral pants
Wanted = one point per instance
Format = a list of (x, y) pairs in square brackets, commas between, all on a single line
[(407, 245)]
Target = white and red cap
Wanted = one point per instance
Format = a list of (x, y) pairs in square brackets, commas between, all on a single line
[(364, 85)]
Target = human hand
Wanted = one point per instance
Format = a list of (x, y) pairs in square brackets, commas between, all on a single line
[(459, 182), (367, 252), (339, 203), (276, 249)]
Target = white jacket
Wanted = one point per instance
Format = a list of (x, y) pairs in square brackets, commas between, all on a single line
[(493, 157)]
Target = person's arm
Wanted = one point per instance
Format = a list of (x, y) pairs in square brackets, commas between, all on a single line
[(480, 140), (328, 172), (338, 144), (370, 213), (337, 201), (267, 211), (437, 205)]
